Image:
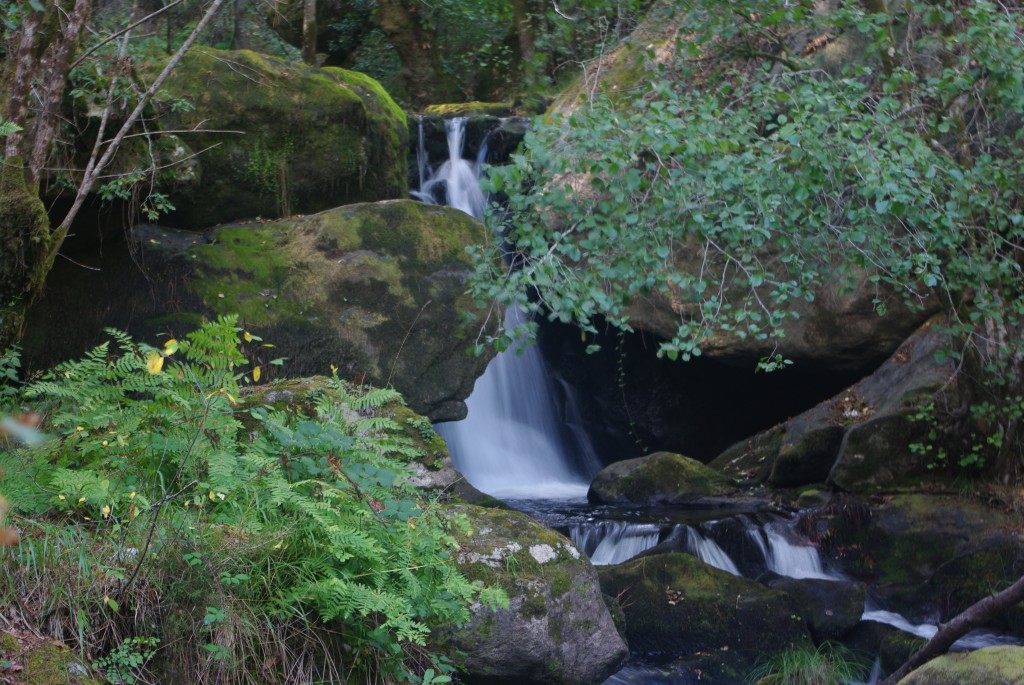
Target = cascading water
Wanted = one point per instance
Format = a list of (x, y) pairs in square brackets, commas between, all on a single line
[(708, 551), (612, 542), (518, 440), (457, 182), (789, 558)]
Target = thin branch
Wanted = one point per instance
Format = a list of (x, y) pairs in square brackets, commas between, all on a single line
[(123, 31), (94, 167)]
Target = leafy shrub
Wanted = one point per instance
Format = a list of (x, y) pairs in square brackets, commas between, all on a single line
[(733, 176), (220, 521)]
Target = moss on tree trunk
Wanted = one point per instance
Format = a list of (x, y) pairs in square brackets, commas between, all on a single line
[(25, 243)]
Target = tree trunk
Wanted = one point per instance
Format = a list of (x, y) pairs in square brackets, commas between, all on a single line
[(25, 244), (422, 74), (524, 31), (976, 615), (309, 32)]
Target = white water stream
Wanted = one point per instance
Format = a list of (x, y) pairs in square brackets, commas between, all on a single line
[(521, 438)]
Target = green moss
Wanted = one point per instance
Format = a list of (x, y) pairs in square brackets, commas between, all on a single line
[(25, 244), (662, 477), (675, 604), (465, 109), (48, 664), (283, 137), (990, 666), (8, 643)]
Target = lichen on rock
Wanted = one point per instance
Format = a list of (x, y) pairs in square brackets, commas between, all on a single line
[(557, 628)]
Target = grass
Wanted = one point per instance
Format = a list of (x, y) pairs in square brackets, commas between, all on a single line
[(827, 664)]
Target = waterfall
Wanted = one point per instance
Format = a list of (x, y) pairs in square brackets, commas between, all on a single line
[(794, 560), (976, 639), (612, 542), (514, 442), (708, 551), (521, 439), (457, 182)]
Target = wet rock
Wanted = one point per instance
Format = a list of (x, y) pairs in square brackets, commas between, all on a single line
[(676, 605), (859, 439), (660, 478), (831, 608)]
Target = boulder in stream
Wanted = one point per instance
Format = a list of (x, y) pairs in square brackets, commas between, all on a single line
[(721, 624), (831, 608), (659, 478), (557, 628)]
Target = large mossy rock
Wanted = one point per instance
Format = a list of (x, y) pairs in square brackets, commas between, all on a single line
[(281, 138), (989, 666), (659, 478), (860, 439), (557, 628), (677, 606), (375, 290), (932, 554)]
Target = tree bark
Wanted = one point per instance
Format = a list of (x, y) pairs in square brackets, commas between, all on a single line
[(422, 74), (54, 81), (524, 31), (976, 615), (309, 32)]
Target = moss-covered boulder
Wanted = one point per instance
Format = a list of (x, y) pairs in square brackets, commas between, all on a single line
[(989, 666), (929, 554), (659, 478), (276, 138), (859, 440), (556, 629), (831, 608), (675, 605), (29, 660), (375, 290)]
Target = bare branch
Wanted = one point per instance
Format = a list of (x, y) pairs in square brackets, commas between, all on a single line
[(96, 166)]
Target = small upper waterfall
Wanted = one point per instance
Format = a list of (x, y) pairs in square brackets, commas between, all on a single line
[(457, 182), (521, 438)]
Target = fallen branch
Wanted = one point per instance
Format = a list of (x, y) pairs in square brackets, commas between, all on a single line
[(974, 616)]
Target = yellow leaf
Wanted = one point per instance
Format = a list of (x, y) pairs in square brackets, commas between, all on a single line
[(105, 511), (81, 499), (248, 336), (154, 362), (171, 346), (132, 496), (213, 497), (256, 375), (61, 497)]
